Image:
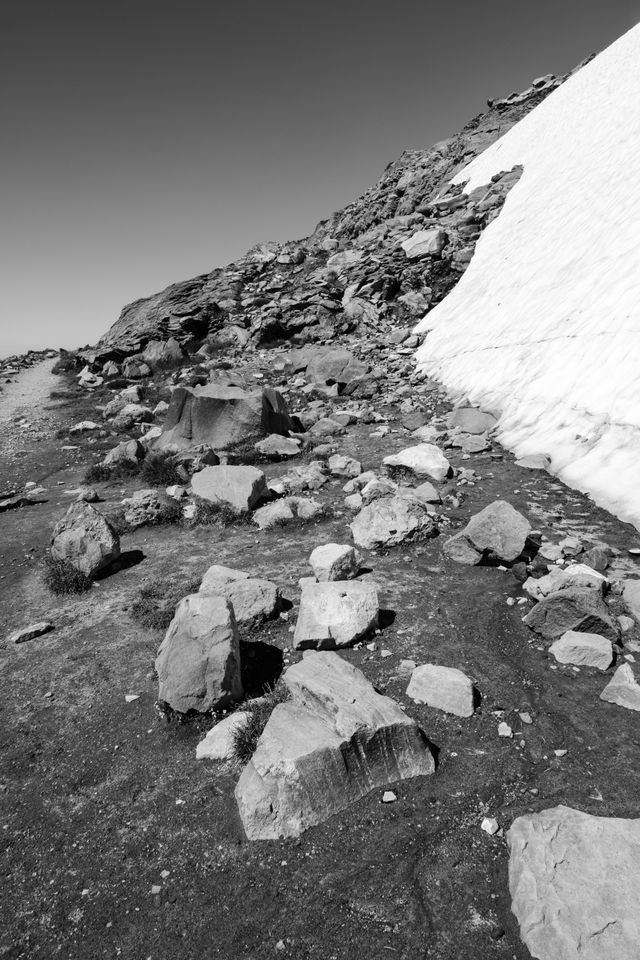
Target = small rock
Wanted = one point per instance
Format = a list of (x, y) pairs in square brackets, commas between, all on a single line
[(30, 632)]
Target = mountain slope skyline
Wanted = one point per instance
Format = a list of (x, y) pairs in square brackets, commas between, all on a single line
[(148, 148)]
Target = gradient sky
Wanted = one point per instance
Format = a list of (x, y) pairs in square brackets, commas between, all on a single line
[(147, 141)]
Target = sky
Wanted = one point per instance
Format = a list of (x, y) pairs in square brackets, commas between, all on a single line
[(148, 141)]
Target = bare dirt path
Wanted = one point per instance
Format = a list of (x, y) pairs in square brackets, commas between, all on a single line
[(26, 395)]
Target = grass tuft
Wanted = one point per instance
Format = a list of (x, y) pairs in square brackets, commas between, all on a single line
[(245, 739), (159, 470), (101, 472), (61, 577), (216, 514), (157, 602)]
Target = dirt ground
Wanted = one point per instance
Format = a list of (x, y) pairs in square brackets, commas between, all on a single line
[(101, 799)]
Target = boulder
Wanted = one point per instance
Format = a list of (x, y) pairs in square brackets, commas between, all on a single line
[(276, 447), (564, 578), (134, 368), (239, 487), (335, 614), (444, 688), (534, 461), (221, 416), (340, 466), (631, 596), (334, 561), (424, 243), (253, 600), (144, 507), (85, 539), (423, 460), (583, 650), (427, 492), (286, 510), (198, 663), (393, 520), (220, 740), (471, 420), (575, 609), (335, 366), (498, 533), (333, 742), (131, 414), (129, 451), (623, 689), (574, 881), (161, 354)]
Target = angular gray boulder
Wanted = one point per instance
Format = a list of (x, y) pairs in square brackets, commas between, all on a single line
[(334, 561), (582, 610), (583, 650), (393, 520), (444, 688), (335, 366), (498, 532), (574, 881), (85, 539), (333, 742), (198, 663), (221, 416), (335, 613), (471, 420), (423, 460), (253, 600), (623, 689), (238, 487)]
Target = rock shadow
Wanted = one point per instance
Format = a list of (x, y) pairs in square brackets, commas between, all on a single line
[(262, 664)]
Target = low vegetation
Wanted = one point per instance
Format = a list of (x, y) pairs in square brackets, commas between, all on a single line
[(160, 470), (61, 577), (156, 604), (245, 738)]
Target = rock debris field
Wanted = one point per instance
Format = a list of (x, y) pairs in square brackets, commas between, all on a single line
[(297, 660)]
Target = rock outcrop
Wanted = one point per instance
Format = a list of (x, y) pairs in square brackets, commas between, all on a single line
[(575, 884), (333, 742)]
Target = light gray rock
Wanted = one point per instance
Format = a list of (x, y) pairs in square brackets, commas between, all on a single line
[(333, 742), (575, 609), (253, 600), (377, 488), (334, 561), (340, 466), (129, 451), (85, 539), (583, 650), (427, 492), (276, 447), (144, 507), (631, 597), (623, 689), (498, 532), (425, 243), (220, 740), (534, 461), (564, 578), (239, 487), (335, 366), (198, 663), (471, 420), (31, 632), (335, 614), (444, 688), (286, 510), (162, 354), (391, 521), (131, 414), (423, 460), (575, 884)]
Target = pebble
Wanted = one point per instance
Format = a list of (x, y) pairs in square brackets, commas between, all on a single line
[(490, 825), (389, 796), (504, 730)]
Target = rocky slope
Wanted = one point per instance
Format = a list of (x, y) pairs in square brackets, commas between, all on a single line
[(352, 269)]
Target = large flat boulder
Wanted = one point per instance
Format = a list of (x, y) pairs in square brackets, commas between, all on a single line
[(333, 742), (198, 663), (498, 532), (239, 487), (85, 539), (335, 613), (471, 420), (564, 578), (574, 881), (581, 610), (423, 460), (393, 520), (445, 688), (583, 650), (221, 416)]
